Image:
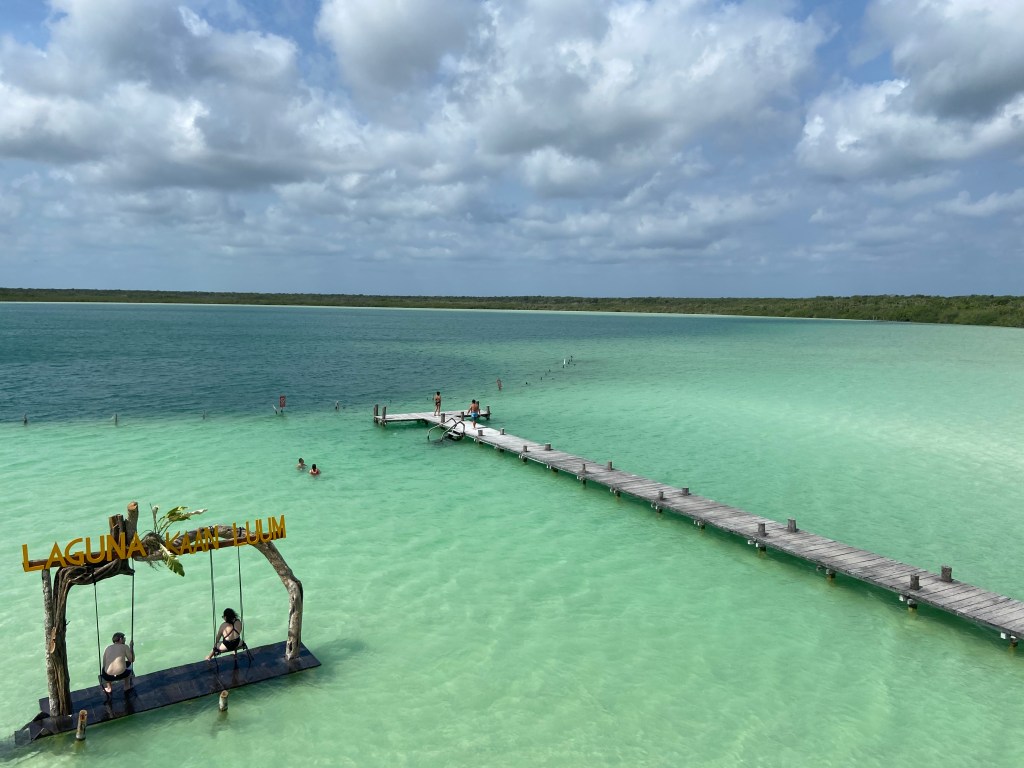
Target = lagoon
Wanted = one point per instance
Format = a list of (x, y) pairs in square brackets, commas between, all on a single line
[(470, 610)]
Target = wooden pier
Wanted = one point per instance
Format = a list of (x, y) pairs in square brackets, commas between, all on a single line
[(913, 585)]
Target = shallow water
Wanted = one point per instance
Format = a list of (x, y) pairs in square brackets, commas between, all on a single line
[(471, 610)]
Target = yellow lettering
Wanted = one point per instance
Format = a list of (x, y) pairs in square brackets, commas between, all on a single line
[(116, 547), (55, 557), (25, 563), (169, 543), (135, 547), (269, 536), (77, 558), (95, 558), (234, 536), (277, 527), (249, 537)]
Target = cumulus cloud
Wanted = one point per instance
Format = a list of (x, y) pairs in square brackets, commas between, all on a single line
[(565, 132), (988, 206), (964, 57), (875, 131), (959, 92)]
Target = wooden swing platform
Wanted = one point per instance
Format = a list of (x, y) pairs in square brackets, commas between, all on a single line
[(169, 686)]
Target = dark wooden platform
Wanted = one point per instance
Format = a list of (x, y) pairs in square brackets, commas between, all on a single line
[(169, 686), (913, 585)]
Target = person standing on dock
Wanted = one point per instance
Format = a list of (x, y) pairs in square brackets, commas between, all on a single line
[(474, 412), (437, 403)]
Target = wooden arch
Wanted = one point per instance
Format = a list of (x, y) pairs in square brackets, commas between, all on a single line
[(55, 594)]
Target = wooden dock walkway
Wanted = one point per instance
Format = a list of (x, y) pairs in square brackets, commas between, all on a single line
[(913, 585)]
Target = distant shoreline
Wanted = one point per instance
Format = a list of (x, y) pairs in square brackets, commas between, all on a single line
[(1003, 311)]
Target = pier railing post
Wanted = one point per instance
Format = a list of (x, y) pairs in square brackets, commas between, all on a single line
[(685, 491), (609, 465), (915, 581), (760, 530), (791, 525), (947, 573)]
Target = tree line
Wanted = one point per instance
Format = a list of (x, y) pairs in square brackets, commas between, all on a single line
[(961, 310)]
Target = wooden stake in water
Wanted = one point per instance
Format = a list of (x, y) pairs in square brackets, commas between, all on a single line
[(222, 702), (83, 718)]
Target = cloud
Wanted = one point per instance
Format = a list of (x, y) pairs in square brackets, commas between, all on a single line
[(385, 48), (958, 93), (875, 131), (988, 206), (363, 140), (964, 57)]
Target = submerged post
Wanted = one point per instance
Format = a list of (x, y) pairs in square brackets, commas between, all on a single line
[(222, 701), (83, 718)]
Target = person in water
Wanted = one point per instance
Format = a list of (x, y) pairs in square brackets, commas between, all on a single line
[(301, 466), (314, 471), (229, 634), (117, 663), (437, 403)]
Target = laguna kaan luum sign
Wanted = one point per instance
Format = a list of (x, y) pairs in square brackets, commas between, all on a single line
[(79, 550)]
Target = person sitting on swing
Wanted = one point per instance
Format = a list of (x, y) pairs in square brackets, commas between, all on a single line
[(229, 635), (117, 664)]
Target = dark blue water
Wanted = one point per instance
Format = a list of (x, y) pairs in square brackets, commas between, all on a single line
[(70, 361)]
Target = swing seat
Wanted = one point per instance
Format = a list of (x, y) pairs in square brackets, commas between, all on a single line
[(127, 681), (242, 646)]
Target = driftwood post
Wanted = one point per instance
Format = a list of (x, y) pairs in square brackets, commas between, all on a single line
[(55, 595)]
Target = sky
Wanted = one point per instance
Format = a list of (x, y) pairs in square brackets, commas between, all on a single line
[(688, 148)]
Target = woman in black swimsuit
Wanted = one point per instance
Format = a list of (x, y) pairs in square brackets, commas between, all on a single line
[(229, 635)]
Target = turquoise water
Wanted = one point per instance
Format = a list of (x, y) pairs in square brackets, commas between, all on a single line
[(470, 610)]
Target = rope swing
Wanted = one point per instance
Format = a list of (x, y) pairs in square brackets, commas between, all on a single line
[(241, 610), (96, 609)]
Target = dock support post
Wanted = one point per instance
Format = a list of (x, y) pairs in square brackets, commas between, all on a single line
[(547, 446), (915, 581), (760, 530), (830, 573), (502, 431), (583, 470), (661, 495), (947, 573), (791, 525), (443, 416), (609, 465), (685, 491), (487, 414), (526, 448), (376, 410), (222, 701), (83, 718)]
